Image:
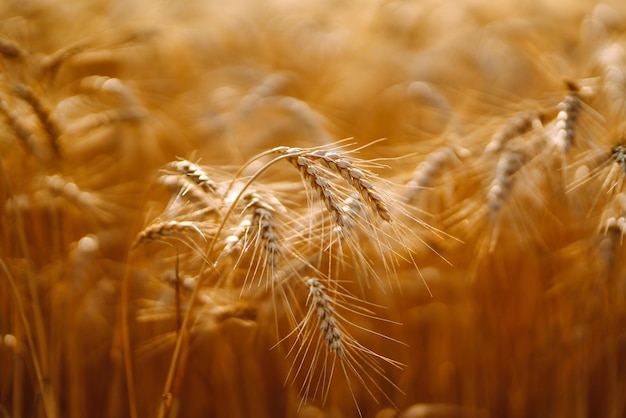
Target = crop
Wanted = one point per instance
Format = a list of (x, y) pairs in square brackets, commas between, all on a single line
[(266, 209)]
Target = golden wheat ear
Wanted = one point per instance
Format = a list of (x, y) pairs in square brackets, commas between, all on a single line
[(162, 230), (324, 350), (44, 114)]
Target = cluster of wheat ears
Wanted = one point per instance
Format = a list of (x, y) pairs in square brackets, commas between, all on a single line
[(383, 208)]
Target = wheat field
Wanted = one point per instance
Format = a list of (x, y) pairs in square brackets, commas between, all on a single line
[(375, 208)]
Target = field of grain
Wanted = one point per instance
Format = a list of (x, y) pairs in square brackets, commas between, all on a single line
[(280, 208)]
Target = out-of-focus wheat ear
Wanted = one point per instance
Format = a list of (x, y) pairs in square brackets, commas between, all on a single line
[(569, 111), (11, 49), (111, 86), (162, 230), (50, 125), (306, 117), (49, 64), (24, 135), (618, 152), (508, 165), (516, 126), (106, 118), (616, 224), (270, 86), (614, 88), (89, 201), (428, 170)]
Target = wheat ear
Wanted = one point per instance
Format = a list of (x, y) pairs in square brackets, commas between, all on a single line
[(321, 305), (259, 216), (356, 177), (509, 163), (618, 153), (44, 115), (161, 230), (428, 170), (106, 118), (11, 49), (318, 180), (196, 175), (569, 110), (517, 126), (26, 137)]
